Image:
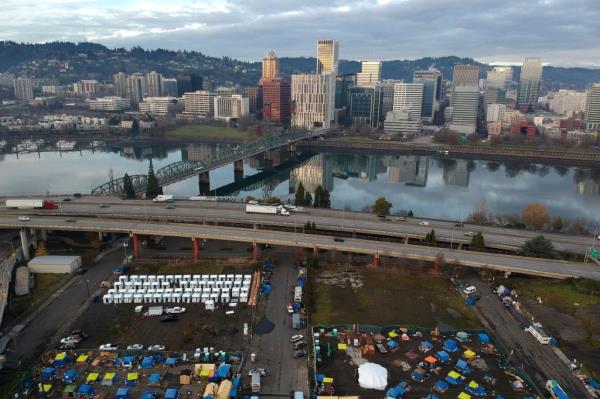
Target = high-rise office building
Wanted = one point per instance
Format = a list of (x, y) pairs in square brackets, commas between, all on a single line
[(327, 56), (230, 107), (252, 92), (402, 123), (276, 95), (120, 84), (499, 77), (199, 104), (136, 88), (160, 106), (387, 92), (313, 100), (154, 84), (409, 97), (369, 75), (432, 91), (592, 108), (188, 82), (529, 83), (23, 89), (465, 108), (465, 75), (111, 104), (567, 102), (270, 65), (365, 106), (343, 83), (169, 87)]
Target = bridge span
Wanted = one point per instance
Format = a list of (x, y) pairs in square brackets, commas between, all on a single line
[(378, 249)]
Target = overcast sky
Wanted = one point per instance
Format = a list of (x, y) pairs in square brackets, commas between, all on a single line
[(561, 32)]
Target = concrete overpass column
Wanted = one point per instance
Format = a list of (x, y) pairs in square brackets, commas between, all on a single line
[(204, 183), (238, 170), (196, 243), (136, 246), (292, 150), (406, 240), (44, 235), (315, 252), (100, 236), (268, 160), (33, 238), (507, 274), (460, 246), (255, 252), (375, 261), (25, 243)]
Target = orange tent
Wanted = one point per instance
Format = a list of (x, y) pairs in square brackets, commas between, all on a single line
[(430, 359)]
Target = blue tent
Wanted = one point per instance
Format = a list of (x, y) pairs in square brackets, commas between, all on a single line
[(392, 344), (484, 338), (87, 390), (440, 386), (470, 301), (426, 346), (462, 336), (128, 361), (396, 392), (418, 375), (320, 377), (48, 373), (478, 391), (223, 371), (171, 393), (70, 376), (172, 361), (266, 289), (122, 393), (154, 378), (462, 365), (443, 356), (148, 395), (594, 384), (300, 282), (450, 345), (148, 362), (235, 386)]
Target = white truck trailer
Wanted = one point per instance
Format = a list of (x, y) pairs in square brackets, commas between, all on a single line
[(163, 198), (267, 209)]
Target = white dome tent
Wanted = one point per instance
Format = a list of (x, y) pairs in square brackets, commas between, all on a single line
[(372, 376)]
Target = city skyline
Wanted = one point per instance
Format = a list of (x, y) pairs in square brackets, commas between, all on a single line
[(488, 33)]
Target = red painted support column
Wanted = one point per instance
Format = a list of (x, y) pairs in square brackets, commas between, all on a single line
[(375, 261), (136, 246), (255, 252), (196, 249)]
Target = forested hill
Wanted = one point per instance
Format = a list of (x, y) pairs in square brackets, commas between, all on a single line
[(69, 62)]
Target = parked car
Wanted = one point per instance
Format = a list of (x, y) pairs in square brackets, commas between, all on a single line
[(80, 333), (424, 223), (135, 347), (70, 339), (290, 308), (24, 219), (296, 338), (168, 317), (300, 353), (262, 372), (469, 234), (175, 310), (299, 344), (157, 348), (66, 199), (109, 347), (470, 290)]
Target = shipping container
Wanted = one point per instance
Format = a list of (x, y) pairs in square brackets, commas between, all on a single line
[(54, 264)]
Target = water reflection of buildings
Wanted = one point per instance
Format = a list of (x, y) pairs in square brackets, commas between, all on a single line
[(588, 187), (316, 172), (359, 166), (409, 169), (457, 173)]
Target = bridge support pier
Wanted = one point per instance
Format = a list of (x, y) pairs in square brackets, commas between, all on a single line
[(255, 252), (44, 235), (100, 236), (204, 183), (34, 241), (460, 246), (196, 243), (375, 261), (238, 170), (507, 274), (136, 246), (268, 160), (315, 252), (406, 240), (25, 243)]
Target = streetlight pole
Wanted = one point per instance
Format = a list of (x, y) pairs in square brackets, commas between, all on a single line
[(87, 286), (125, 245)]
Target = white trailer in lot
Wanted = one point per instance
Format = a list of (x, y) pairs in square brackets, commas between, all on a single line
[(163, 198), (54, 264), (25, 203)]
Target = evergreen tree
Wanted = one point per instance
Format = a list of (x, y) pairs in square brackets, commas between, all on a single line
[(135, 127), (128, 187), (477, 242), (313, 227), (152, 189), (538, 247), (322, 199), (308, 200), (299, 198), (430, 239)]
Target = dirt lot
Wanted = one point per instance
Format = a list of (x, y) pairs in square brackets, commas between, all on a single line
[(342, 367), (396, 295), (570, 315)]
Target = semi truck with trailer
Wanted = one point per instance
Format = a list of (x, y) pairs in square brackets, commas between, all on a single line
[(30, 204), (267, 209)]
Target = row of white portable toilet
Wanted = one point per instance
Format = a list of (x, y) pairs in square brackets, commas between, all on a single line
[(185, 277), (235, 292), (190, 284), (223, 297)]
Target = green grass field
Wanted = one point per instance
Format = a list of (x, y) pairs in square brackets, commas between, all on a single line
[(560, 295), (206, 132)]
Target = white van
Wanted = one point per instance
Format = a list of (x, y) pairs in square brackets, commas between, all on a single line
[(470, 290)]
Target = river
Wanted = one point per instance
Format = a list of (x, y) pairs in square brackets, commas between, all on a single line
[(428, 186)]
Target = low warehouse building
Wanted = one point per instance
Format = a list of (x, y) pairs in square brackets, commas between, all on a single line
[(54, 264)]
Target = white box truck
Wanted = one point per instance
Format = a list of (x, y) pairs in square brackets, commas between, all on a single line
[(267, 209), (163, 198), (255, 382), (297, 293)]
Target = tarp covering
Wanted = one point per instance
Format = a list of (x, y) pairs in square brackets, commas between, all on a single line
[(462, 365), (418, 374), (223, 371), (431, 360), (172, 361), (372, 376), (82, 358), (171, 393), (484, 338), (48, 373), (92, 377), (70, 389), (148, 395), (463, 395), (440, 386), (462, 336), (154, 378), (396, 392), (453, 377), (148, 362), (469, 354), (450, 345), (122, 393), (264, 327), (210, 390), (86, 389), (443, 356), (70, 376), (426, 345), (224, 389), (392, 344)]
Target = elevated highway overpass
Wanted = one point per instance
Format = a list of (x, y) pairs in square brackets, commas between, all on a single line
[(504, 263), (350, 224)]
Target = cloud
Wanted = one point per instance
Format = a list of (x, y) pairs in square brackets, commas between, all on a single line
[(561, 32)]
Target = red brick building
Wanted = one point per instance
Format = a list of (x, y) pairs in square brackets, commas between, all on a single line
[(523, 128), (276, 94)]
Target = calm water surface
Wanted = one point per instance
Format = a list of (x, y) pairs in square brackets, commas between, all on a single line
[(428, 186)]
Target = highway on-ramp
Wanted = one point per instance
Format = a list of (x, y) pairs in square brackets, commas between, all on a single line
[(506, 263)]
